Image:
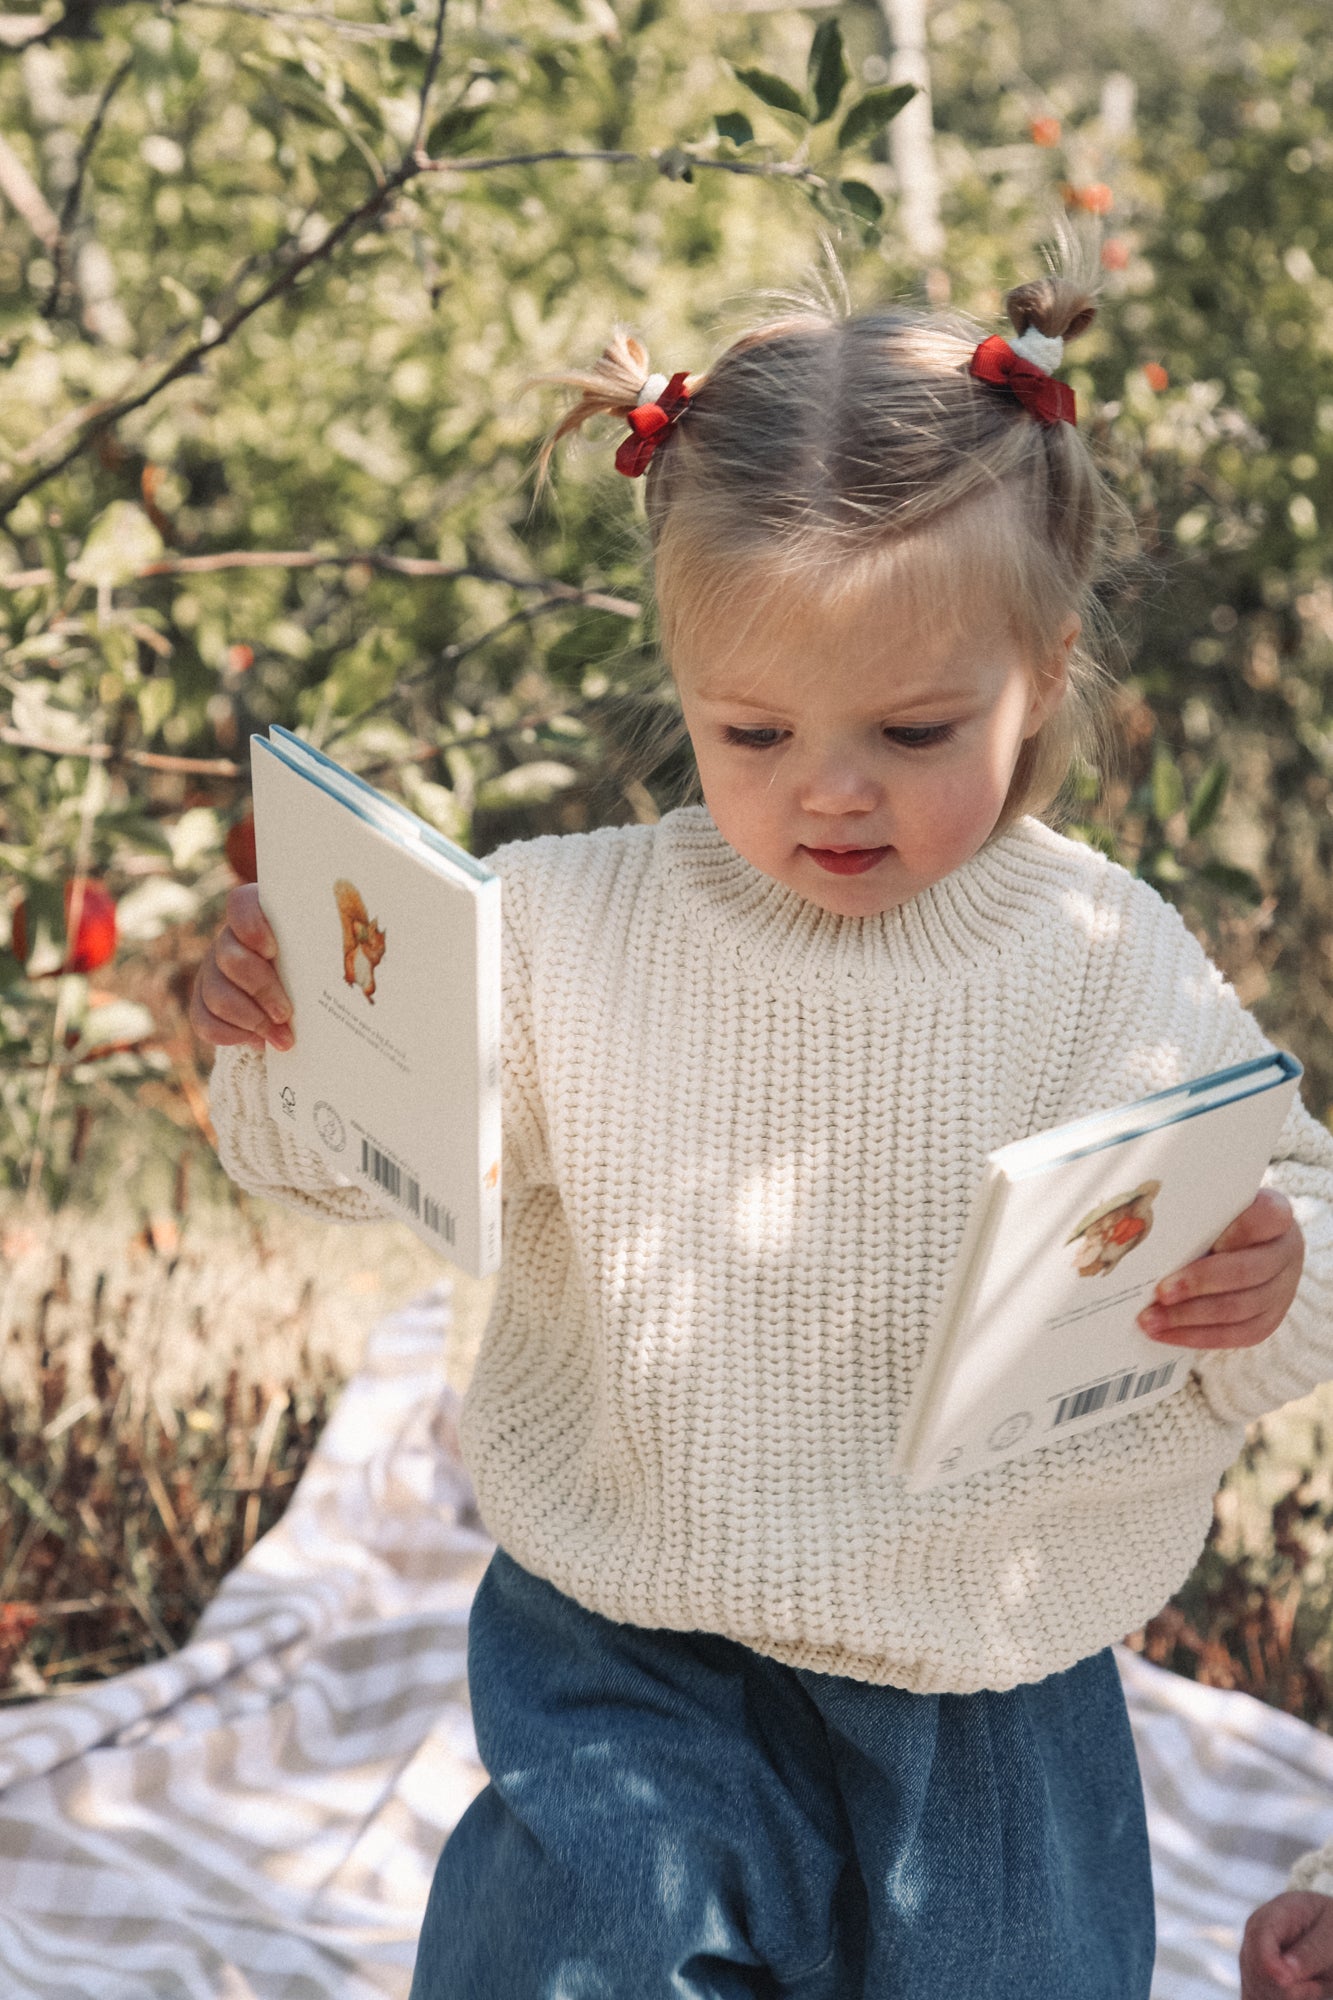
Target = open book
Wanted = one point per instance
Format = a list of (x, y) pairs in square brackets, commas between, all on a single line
[(389, 947), (1069, 1236)]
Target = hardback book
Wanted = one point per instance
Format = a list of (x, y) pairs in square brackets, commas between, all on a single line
[(389, 948), (1070, 1234)]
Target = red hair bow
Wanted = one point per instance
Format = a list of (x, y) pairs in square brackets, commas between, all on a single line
[(1049, 401), (649, 424)]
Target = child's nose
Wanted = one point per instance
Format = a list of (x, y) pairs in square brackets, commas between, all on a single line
[(838, 785)]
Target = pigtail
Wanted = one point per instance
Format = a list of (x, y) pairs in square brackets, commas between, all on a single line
[(1061, 308), (611, 388)]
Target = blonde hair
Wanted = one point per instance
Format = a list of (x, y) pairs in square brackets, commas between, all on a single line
[(830, 451)]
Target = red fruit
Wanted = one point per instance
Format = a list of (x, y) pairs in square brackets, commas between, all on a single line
[(1155, 375), (239, 848), (1096, 198), (93, 943), (1115, 254), (240, 658), (1045, 131)]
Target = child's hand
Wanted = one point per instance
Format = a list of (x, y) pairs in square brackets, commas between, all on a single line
[(238, 996), (1287, 1951), (1240, 1292)]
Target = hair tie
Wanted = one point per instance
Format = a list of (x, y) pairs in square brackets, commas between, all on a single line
[(1023, 367), (661, 404)]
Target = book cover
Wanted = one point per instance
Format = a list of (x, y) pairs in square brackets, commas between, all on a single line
[(389, 947), (1069, 1236)]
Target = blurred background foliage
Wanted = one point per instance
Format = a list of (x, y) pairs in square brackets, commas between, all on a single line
[(273, 281)]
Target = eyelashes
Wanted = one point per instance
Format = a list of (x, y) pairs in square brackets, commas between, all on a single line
[(923, 737)]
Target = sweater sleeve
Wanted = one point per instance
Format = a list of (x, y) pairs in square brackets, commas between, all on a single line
[(264, 1158), (1314, 1871), (1158, 1012)]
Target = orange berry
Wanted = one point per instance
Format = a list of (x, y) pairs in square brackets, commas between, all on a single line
[(240, 659), (1115, 253), (95, 940), (1045, 131), (1096, 198), (1155, 375)]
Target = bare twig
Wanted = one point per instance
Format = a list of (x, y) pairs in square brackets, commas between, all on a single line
[(428, 81), (449, 656), (305, 17), (104, 753), (64, 996), (69, 208), (669, 160), (376, 559)]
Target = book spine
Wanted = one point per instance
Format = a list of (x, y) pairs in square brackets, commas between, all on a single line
[(489, 1029)]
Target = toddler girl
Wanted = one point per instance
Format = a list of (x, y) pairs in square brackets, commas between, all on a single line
[(757, 1720)]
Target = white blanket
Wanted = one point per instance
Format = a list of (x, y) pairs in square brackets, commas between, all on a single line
[(257, 1817)]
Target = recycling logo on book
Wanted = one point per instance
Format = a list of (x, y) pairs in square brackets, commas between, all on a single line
[(329, 1126)]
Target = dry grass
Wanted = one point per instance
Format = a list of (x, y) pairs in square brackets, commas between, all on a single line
[(1257, 1612), (163, 1381)]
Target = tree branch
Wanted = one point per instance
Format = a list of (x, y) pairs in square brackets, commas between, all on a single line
[(428, 81), (304, 17), (103, 753), (376, 559), (99, 417), (69, 208)]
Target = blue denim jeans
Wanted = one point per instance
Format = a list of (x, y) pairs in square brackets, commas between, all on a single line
[(674, 1817)]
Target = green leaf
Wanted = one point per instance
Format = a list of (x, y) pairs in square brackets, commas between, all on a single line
[(1208, 796), (454, 127), (526, 785), (1235, 881), (121, 541), (734, 125), (1093, 834), (871, 113), (1168, 787), (771, 90), (828, 72), (156, 699), (862, 200), (1162, 867), (44, 916)]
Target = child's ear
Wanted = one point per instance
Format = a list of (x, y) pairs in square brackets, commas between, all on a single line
[(1051, 681)]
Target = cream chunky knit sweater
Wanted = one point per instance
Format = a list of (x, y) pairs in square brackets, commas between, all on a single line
[(741, 1137)]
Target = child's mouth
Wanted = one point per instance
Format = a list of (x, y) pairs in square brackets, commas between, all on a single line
[(847, 860)]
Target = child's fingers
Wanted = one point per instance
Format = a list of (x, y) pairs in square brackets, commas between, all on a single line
[(210, 1027), (254, 975), (223, 1011), (1267, 1216), (247, 922), (1218, 1308), (1228, 1271), (1284, 1953)]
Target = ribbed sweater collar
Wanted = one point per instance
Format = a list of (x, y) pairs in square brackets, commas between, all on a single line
[(993, 903)]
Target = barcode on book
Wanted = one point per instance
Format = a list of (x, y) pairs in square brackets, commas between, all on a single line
[(406, 1189), (1117, 1389)]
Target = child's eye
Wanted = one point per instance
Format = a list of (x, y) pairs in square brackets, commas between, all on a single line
[(923, 736), (752, 739)]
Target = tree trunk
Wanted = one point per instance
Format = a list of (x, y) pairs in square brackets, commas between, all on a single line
[(911, 135)]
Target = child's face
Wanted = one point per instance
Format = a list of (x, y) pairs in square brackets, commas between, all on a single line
[(826, 728)]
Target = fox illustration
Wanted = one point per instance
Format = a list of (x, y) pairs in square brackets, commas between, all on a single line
[(363, 940)]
